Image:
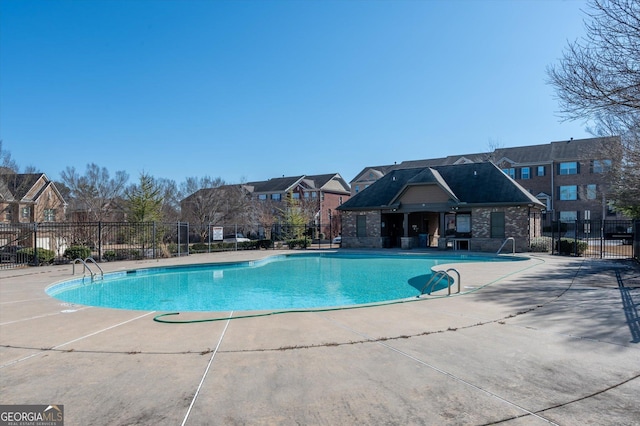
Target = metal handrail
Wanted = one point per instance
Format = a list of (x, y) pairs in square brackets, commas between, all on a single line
[(439, 275), (92, 260), (86, 266), (513, 240)]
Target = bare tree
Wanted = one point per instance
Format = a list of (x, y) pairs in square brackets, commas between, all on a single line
[(598, 80), (95, 192), (170, 200), (7, 164)]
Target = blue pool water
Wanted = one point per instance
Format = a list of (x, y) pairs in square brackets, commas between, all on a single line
[(276, 283)]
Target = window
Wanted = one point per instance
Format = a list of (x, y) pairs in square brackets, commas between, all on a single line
[(497, 225), (601, 166), (540, 171), (361, 225), (49, 215), (569, 192), (357, 189), (295, 195), (262, 197), (275, 197), (463, 223), (306, 195), (511, 172), (26, 212), (591, 192), (525, 173), (314, 195), (569, 168), (340, 201), (568, 216)]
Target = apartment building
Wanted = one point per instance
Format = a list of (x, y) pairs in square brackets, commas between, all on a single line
[(568, 177)]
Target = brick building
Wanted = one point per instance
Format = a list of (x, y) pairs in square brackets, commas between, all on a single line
[(472, 206), (568, 177)]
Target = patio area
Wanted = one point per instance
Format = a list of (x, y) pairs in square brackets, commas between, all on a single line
[(552, 340)]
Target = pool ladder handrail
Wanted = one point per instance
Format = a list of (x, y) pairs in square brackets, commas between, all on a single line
[(513, 246), (86, 266), (439, 275)]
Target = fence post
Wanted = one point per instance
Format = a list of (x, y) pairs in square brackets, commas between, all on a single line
[(601, 237), (35, 244), (575, 239), (155, 241), (99, 241)]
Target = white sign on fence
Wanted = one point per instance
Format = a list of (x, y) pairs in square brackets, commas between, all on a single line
[(218, 233)]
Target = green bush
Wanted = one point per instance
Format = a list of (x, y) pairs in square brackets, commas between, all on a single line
[(75, 252), (264, 244), (110, 255), (300, 242), (540, 244), (571, 246), (44, 256), (199, 248)]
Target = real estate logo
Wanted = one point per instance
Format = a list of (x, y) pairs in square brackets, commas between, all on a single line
[(32, 415)]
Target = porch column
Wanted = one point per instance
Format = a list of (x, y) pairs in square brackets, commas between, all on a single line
[(405, 225)]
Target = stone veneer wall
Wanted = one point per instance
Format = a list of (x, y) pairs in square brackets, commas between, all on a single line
[(516, 225), (373, 238)]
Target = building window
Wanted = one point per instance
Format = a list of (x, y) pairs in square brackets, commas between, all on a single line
[(569, 192), (314, 195), (306, 195), (361, 225), (568, 216), (340, 200), (262, 197), (497, 225), (295, 195), (540, 171), (569, 168), (49, 215), (591, 192), (511, 172), (26, 212), (7, 214), (357, 189), (601, 166), (525, 173), (463, 223), (275, 197)]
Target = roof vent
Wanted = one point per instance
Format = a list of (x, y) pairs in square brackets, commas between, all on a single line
[(393, 178)]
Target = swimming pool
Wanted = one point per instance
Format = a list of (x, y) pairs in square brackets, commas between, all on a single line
[(298, 281)]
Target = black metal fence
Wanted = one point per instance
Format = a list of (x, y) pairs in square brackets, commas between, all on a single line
[(604, 239), (39, 243)]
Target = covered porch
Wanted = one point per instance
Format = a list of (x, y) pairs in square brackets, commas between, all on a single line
[(425, 229)]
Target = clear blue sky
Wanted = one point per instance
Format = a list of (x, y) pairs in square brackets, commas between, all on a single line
[(254, 89)]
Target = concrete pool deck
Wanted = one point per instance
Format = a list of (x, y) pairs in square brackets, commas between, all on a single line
[(553, 340)]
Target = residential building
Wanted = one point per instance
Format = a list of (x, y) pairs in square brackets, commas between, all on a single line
[(568, 177), (28, 198), (472, 206), (318, 195)]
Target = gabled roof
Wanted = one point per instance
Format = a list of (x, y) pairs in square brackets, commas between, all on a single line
[(574, 149), (328, 182), (473, 183), (282, 184), (20, 186), (379, 171)]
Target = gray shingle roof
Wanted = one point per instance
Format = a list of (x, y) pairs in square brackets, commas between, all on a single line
[(473, 183)]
